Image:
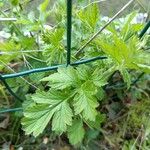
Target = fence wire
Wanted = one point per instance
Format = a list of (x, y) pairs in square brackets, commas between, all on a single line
[(68, 57)]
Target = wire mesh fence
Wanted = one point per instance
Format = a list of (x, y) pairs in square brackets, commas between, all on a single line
[(4, 77)]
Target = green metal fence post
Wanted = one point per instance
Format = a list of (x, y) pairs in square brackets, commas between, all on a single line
[(69, 26)]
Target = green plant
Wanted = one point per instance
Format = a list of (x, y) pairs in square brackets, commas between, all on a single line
[(70, 100), (75, 93)]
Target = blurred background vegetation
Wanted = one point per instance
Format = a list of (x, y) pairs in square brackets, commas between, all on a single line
[(110, 7), (107, 7)]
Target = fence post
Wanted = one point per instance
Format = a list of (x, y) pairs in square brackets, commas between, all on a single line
[(69, 26)]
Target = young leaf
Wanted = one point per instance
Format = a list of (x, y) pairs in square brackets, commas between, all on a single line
[(7, 48), (54, 52), (53, 37), (44, 5), (127, 31), (144, 68), (126, 77), (43, 10), (76, 132), (90, 15)]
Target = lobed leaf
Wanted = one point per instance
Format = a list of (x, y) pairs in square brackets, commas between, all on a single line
[(85, 101), (48, 105), (65, 77), (76, 132)]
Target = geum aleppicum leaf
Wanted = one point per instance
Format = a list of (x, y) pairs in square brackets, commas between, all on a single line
[(84, 72), (84, 87), (84, 84), (62, 118), (85, 101), (65, 77), (127, 29), (48, 105), (43, 10), (44, 5), (36, 119), (121, 52), (144, 68), (126, 55), (126, 77), (101, 76), (142, 61), (89, 15), (76, 132), (54, 51)]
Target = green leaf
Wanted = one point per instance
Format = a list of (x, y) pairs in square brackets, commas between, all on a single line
[(7, 48), (85, 101), (90, 15), (116, 49), (76, 132), (43, 10), (92, 134), (15, 2), (53, 37), (100, 118), (126, 77), (127, 31), (144, 68), (54, 51), (142, 57), (126, 55), (36, 119), (44, 5), (100, 76), (54, 55), (65, 77), (62, 118), (48, 105), (84, 72), (52, 97)]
